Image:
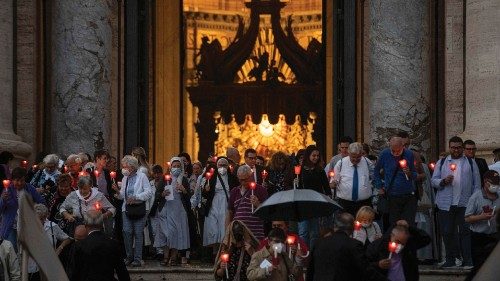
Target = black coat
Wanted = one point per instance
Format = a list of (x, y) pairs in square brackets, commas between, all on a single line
[(314, 179), (340, 257), (378, 250), (97, 258), (483, 167)]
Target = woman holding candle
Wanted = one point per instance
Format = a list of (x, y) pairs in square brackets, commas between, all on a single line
[(312, 176), (45, 180), (63, 190), (217, 194), (369, 230), (74, 166), (135, 190), (280, 174), (173, 219), (239, 244), (280, 267), (79, 202)]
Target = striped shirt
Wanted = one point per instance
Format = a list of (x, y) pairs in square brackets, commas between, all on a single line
[(241, 207)]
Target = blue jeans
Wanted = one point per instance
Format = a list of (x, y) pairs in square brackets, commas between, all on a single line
[(309, 231), (456, 234), (133, 230)]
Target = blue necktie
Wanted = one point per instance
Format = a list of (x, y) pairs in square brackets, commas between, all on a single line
[(355, 184)]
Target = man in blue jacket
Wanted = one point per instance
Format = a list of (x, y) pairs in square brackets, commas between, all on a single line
[(394, 176), (9, 204)]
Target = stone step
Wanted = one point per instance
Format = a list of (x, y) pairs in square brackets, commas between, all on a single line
[(152, 271)]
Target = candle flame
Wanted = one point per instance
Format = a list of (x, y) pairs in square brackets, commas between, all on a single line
[(6, 183), (252, 185)]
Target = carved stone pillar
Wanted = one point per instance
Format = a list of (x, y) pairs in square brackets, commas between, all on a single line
[(81, 73), (482, 104), (8, 139), (398, 71)]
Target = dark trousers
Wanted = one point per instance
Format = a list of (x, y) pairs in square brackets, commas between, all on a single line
[(402, 207), (456, 234), (352, 207)]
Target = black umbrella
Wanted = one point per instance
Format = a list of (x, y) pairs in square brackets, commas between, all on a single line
[(296, 205)]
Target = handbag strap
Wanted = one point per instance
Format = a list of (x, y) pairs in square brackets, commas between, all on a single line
[(223, 186), (240, 262), (393, 177)]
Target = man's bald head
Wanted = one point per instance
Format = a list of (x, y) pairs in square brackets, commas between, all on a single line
[(80, 232), (396, 144)]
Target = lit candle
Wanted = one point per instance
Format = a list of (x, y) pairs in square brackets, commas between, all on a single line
[(331, 174), (208, 176), (6, 183), (35, 167), (231, 168), (297, 173), (212, 170), (225, 258), (96, 173), (453, 167), (65, 169), (214, 159), (264, 175), (252, 188), (168, 178), (81, 174), (432, 165), (290, 240), (392, 248), (403, 164), (112, 174), (357, 225), (24, 164), (97, 206), (275, 250)]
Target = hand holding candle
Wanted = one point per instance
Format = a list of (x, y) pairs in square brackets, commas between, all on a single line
[(392, 248), (252, 188), (208, 176), (331, 175), (225, 258), (404, 164), (112, 174), (290, 240), (432, 165), (297, 173)]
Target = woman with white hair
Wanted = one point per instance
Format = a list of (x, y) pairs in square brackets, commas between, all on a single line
[(80, 201), (217, 191), (45, 180), (173, 232), (135, 192)]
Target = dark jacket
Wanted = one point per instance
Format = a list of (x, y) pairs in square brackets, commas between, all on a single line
[(378, 250), (232, 181), (97, 258), (314, 179), (339, 257), (160, 200), (483, 167)]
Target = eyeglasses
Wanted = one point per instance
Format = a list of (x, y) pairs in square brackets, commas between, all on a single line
[(455, 147), (471, 148)]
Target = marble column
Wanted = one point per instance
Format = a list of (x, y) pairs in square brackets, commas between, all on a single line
[(8, 139), (398, 71), (81, 66), (482, 103)]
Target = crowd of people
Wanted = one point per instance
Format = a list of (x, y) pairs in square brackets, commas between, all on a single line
[(397, 212)]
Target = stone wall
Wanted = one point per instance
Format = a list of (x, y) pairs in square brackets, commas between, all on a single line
[(397, 71), (81, 71)]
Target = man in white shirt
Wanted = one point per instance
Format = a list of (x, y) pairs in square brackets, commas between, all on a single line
[(352, 180), (496, 165)]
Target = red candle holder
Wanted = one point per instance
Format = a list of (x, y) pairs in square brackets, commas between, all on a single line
[(65, 169), (6, 183), (24, 164), (403, 163), (112, 174), (81, 174), (96, 173), (453, 167), (252, 186), (208, 175), (432, 165), (297, 169), (168, 178), (264, 174), (225, 258), (357, 225), (97, 206), (392, 248), (211, 170)]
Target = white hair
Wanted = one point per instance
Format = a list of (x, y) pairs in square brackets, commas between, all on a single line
[(51, 159), (244, 170), (84, 181), (131, 161), (355, 148), (41, 210)]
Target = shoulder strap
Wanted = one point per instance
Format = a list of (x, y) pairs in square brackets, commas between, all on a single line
[(392, 178), (441, 162), (223, 186)]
